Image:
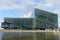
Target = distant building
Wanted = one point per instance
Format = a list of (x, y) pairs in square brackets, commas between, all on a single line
[(42, 20)]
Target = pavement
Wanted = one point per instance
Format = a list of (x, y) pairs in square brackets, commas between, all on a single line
[(4, 30)]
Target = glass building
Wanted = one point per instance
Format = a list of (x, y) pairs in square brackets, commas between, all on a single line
[(42, 20), (46, 20), (18, 23)]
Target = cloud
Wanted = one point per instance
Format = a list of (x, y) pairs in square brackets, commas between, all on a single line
[(25, 5), (27, 15), (9, 4)]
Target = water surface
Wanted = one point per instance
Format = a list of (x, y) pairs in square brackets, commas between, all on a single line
[(29, 36)]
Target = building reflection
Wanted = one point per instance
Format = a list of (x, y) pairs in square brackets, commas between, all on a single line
[(17, 36), (30, 36)]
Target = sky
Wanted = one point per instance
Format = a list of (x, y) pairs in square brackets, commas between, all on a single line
[(25, 8)]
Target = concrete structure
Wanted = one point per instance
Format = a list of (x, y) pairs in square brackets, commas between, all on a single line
[(42, 20)]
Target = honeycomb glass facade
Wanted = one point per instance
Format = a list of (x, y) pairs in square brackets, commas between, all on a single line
[(46, 20), (20, 23)]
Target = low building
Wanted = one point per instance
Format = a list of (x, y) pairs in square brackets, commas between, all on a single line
[(7, 25), (18, 23)]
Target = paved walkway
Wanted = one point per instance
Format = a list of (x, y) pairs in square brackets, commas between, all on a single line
[(28, 30)]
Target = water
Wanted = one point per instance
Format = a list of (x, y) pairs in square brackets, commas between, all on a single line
[(29, 36), (1, 34)]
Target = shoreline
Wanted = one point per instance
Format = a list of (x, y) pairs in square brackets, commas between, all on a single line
[(4, 30)]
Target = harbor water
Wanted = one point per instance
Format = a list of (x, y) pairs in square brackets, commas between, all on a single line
[(29, 36)]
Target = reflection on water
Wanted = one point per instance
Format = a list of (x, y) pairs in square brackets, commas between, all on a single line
[(1, 35), (29, 36), (17, 36), (46, 36), (59, 36)]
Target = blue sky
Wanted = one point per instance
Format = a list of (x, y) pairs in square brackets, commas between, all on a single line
[(24, 8)]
